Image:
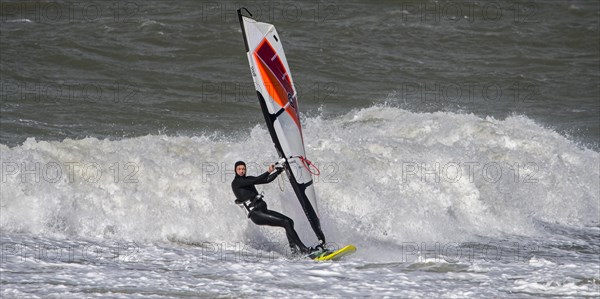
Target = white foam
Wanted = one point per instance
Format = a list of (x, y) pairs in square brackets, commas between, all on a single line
[(19, 21), (540, 262), (555, 288), (374, 187)]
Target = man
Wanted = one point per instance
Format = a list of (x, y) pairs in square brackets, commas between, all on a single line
[(246, 194)]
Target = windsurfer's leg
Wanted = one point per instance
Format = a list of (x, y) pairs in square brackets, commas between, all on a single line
[(272, 218), (289, 230)]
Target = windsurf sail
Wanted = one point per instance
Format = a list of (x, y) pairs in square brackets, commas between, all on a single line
[(278, 101)]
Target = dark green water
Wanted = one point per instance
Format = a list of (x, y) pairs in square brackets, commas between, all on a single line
[(114, 69)]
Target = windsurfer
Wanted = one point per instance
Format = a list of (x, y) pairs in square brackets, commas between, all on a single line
[(247, 195)]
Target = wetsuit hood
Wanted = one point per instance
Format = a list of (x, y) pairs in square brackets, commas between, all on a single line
[(238, 163)]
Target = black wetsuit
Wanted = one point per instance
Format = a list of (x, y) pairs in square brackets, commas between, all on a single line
[(244, 190)]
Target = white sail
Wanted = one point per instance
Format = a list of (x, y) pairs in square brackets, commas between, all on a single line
[(278, 98)]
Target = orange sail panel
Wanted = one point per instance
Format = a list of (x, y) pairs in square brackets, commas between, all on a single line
[(276, 79)]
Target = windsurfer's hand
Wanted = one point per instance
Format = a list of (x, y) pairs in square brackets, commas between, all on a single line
[(271, 168)]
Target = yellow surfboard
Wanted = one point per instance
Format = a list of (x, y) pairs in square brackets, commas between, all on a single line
[(331, 255)]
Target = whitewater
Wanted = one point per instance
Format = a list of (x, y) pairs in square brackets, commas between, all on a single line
[(438, 204)]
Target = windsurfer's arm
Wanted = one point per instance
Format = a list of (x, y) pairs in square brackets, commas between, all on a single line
[(251, 180), (264, 178), (270, 175)]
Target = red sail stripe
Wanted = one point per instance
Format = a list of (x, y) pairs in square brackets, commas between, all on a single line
[(276, 79)]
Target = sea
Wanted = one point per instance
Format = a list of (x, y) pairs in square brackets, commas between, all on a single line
[(458, 145)]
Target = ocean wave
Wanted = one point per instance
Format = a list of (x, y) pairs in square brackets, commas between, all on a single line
[(388, 176)]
